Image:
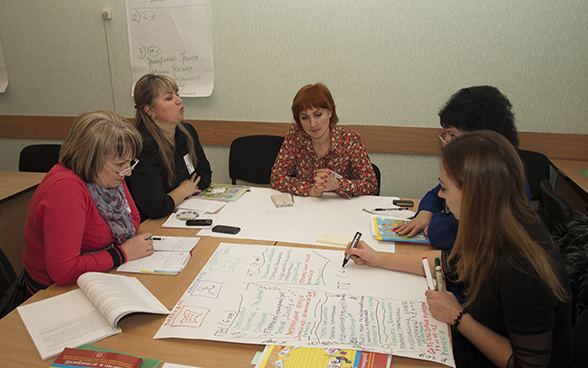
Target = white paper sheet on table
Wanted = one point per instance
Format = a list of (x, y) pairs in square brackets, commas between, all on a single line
[(302, 296), (304, 222), (199, 204)]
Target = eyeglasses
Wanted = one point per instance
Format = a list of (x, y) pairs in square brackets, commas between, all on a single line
[(123, 173), (451, 134), (442, 137)]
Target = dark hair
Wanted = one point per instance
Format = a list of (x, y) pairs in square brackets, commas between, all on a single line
[(315, 96), (480, 107)]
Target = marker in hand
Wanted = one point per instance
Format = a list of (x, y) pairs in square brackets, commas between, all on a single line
[(351, 246), (439, 275), (428, 273)]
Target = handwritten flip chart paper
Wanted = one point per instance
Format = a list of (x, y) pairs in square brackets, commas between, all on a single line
[(3, 75), (258, 218), (303, 297), (172, 37)]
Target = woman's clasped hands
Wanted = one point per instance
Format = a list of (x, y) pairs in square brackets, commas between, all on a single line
[(324, 181)]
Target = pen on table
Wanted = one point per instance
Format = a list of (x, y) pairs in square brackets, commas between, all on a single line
[(428, 273), (439, 275), (338, 176), (153, 238), (391, 209), (351, 246)]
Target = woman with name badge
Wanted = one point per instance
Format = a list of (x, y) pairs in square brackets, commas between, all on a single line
[(517, 307), (172, 165), (317, 156), (82, 217)]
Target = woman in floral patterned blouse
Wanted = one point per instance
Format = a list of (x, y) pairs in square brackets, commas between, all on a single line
[(317, 156)]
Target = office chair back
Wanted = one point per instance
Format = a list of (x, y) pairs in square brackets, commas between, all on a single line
[(378, 177), (572, 243), (536, 170), (7, 274), (555, 210), (251, 158), (39, 157)]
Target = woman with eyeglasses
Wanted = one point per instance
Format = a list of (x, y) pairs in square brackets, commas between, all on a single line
[(468, 110), (172, 164), (82, 217)]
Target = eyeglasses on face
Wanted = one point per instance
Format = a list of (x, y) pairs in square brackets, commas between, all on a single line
[(124, 172), (442, 138)]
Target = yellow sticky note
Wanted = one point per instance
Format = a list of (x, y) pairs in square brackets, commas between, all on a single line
[(332, 239)]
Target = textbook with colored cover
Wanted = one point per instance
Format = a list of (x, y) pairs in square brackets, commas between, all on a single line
[(88, 314), (274, 356), (224, 191), (76, 358), (383, 230), (147, 362)]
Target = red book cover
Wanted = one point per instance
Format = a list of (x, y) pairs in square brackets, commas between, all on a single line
[(77, 358)]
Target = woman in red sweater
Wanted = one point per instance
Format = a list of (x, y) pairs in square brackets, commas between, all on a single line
[(82, 217)]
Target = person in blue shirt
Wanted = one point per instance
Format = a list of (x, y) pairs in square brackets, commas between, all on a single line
[(468, 110)]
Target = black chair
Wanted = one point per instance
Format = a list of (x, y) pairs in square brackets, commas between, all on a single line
[(39, 157), (378, 177), (536, 170), (7, 274), (572, 243), (251, 158), (555, 210)]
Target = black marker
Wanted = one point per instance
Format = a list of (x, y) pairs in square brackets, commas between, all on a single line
[(353, 245)]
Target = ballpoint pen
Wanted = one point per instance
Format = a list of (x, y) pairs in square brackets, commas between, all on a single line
[(351, 246), (391, 209)]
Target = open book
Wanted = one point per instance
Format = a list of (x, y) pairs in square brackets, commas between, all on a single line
[(171, 255), (87, 314)]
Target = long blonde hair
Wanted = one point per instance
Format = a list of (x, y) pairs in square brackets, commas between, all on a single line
[(147, 89), (494, 211)]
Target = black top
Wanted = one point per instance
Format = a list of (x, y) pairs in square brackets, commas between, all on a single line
[(516, 304), (149, 182)]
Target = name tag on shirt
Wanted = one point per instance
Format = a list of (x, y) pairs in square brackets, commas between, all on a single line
[(189, 164)]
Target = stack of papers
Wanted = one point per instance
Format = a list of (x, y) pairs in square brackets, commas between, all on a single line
[(171, 255), (176, 220)]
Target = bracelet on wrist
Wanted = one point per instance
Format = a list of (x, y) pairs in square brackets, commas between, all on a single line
[(458, 319)]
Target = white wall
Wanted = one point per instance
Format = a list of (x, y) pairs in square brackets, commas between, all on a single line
[(386, 63)]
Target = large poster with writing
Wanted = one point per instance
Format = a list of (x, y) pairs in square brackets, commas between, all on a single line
[(303, 297), (172, 37), (3, 75)]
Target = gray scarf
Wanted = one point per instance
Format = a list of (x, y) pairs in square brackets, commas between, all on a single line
[(114, 208)]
